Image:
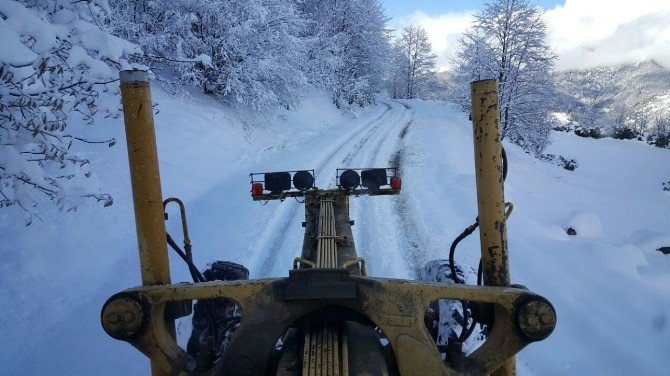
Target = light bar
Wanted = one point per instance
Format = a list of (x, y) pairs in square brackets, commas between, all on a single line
[(281, 182), (372, 179)]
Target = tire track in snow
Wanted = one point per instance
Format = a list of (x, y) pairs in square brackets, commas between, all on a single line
[(275, 234), (414, 248), (379, 230)]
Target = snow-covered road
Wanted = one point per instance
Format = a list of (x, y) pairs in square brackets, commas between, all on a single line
[(608, 283)]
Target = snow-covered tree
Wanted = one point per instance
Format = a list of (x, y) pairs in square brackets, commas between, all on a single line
[(244, 52), (56, 62), (507, 42), (414, 63), (398, 72), (348, 48)]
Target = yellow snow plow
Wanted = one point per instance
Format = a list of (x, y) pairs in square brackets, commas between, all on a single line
[(328, 317)]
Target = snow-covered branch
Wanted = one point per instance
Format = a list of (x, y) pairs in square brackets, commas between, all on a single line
[(507, 41), (55, 63)]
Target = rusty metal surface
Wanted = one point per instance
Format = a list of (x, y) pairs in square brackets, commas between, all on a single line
[(536, 319), (122, 317), (489, 176), (145, 181), (490, 195), (325, 192), (397, 307)]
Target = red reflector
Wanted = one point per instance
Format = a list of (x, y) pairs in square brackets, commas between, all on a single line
[(396, 183), (257, 189)]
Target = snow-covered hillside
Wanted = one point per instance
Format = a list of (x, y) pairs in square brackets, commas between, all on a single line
[(608, 283), (633, 95)]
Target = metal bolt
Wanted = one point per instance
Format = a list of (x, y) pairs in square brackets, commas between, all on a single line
[(536, 318), (122, 317)]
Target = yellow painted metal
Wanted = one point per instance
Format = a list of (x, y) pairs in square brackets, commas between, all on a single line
[(490, 191), (184, 225), (326, 256), (357, 261), (145, 180), (300, 260), (396, 306), (345, 353), (322, 341)]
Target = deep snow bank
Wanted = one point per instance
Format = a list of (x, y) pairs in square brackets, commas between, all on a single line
[(56, 274), (608, 283)]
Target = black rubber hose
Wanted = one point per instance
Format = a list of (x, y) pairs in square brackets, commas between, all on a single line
[(480, 273), (452, 249), (504, 158), (195, 273), (198, 277)]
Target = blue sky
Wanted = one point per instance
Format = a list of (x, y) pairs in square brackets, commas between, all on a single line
[(583, 33), (401, 8)]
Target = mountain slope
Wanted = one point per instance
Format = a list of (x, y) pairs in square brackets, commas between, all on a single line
[(637, 96)]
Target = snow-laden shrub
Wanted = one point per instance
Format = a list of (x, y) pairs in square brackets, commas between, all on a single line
[(589, 132), (660, 134), (662, 141), (55, 63), (624, 133), (569, 164)]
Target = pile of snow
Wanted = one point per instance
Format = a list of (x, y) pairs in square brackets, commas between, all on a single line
[(584, 223), (56, 274), (608, 283)]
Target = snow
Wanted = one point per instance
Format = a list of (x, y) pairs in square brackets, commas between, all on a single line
[(561, 118), (25, 22), (56, 61), (608, 282), (98, 69), (13, 51), (585, 223)]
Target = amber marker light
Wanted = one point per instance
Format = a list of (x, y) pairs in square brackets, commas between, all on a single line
[(257, 189)]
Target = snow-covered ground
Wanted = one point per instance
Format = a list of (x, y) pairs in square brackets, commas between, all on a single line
[(608, 283)]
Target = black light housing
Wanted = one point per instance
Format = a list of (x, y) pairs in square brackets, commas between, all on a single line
[(350, 180), (281, 184), (277, 181), (303, 180), (373, 178)]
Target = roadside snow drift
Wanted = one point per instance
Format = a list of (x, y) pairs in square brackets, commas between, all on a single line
[(607, 282)]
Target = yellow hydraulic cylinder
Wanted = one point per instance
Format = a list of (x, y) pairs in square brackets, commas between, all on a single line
[(490, 194), (146, 183)]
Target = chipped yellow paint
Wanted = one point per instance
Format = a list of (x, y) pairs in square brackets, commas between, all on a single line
[(490, 191)]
